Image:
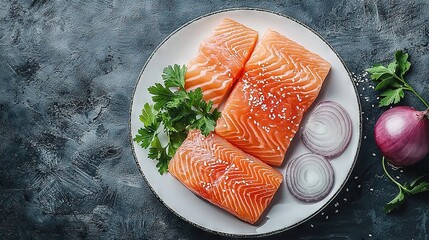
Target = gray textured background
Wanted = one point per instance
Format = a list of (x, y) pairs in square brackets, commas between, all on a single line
[(67, 71)]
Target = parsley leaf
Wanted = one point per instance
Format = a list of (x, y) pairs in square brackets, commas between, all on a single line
[(158, 152), (148, 132), (391, 96), (403, 64), (415, 187), (148, 115), (174, 76), (161, 95), (421, 187), (396, 202), (177, 111), (145, 135), (176, 139), (206, 125), (206, 118), (385, 81), (391, 80)]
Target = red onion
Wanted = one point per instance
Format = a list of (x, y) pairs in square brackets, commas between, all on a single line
[(402, 135), (309, 177), (328, 130)]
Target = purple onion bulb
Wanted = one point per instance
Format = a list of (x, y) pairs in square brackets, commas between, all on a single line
[(402, 135)]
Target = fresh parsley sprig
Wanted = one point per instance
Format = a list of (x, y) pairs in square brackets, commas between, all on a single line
[(415, 187), (175, 111), (391, 80)]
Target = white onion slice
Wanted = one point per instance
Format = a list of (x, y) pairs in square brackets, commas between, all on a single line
[(328, 130), (309, 177)]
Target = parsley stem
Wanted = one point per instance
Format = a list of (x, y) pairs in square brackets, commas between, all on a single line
[(409, 88), (383, 162), (421, 99)]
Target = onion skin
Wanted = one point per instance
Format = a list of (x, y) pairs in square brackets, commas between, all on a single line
[(402, 135)]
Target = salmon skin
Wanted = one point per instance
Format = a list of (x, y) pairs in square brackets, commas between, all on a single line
[(219, 172), (220, 60), (263, 112)]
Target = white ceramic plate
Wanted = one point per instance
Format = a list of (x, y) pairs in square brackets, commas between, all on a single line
[(285, 211)]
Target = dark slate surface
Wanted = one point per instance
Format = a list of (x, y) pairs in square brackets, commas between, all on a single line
[(67, 71)]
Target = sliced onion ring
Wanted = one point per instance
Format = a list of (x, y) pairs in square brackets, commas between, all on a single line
[(328, 130), (309, 177)]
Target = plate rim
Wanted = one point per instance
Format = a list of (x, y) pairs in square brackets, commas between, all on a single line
[(130, 136)]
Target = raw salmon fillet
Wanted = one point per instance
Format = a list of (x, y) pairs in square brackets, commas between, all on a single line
[(220, 60), (263, 112), (219, 172)]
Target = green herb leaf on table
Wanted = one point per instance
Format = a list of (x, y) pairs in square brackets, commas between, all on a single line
[(402, 62), (396, 202), (391, 96), (415, 187), (175, 112), (421, 187), (391, 80)]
